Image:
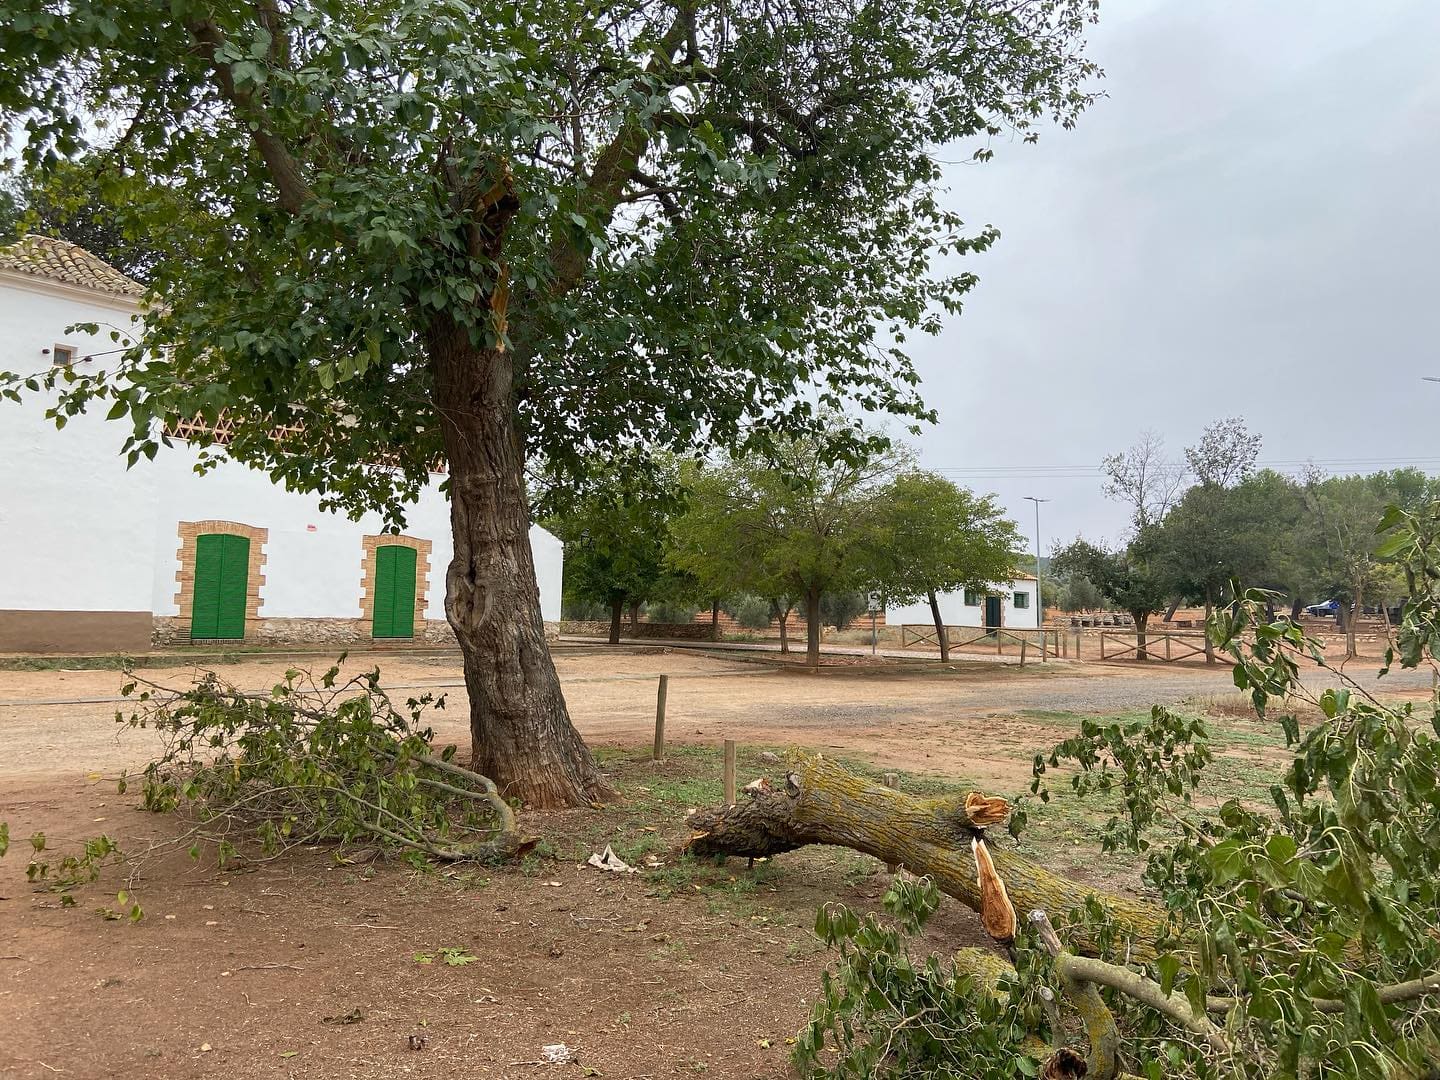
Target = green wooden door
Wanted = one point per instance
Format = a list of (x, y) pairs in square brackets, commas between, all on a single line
[(222, 582), (394, 592)]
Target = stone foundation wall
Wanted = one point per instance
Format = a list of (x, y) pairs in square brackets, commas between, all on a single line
[(348, 633), (673, 631)]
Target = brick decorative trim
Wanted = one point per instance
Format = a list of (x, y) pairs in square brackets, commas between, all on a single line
[(371, 545), (185, 576)]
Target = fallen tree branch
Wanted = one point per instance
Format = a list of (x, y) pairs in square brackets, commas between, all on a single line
[(821, 802)]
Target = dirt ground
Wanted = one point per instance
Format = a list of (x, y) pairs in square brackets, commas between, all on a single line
[(681, 970)]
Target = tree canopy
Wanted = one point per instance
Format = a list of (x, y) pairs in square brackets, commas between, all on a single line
[(936, 537)]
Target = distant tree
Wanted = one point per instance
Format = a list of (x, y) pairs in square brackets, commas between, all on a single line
[(938, 537), (1125, 577), (1143, 477), (840, 609), (616, 541), (1218, 535), (1225, 454), (750, 611), (1078, 593), (77, 201), (1342, 512), (797, 521)]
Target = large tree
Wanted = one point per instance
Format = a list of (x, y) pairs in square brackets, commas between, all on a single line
[(798, 521), (616, 540), (938, 537), (1126, 577), (440, 231)]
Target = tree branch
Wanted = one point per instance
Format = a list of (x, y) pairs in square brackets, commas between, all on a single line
[(284, 170)]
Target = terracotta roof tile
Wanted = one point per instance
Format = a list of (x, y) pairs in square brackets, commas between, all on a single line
[(60, 260)]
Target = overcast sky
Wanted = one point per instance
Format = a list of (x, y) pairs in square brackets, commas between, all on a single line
[(1248, 223)]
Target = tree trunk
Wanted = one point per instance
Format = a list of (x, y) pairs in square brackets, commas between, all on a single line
[(1352, 650), (617, 610), (784, 617), (715, 619), (634, 616), (820, 802), (812, 627), (940, 633), (1170, 611), (1296, 607), (1209, 608), (520, 729), (1142, 619)]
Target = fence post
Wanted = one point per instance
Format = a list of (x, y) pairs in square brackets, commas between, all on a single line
[(1167, 648), (1064, 637), (660, 717), (892, 780), (729, 772), (1024, 642), (1043, 643)]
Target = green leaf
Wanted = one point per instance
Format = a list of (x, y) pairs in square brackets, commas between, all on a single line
[(1168, 966)]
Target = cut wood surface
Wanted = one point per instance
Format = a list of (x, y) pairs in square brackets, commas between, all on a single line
[(822, 802)]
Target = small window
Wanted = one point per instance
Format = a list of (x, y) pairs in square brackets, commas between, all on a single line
[(1022, 601), (63, 355), (972, 598)]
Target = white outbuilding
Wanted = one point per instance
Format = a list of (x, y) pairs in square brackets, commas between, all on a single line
[(95, 557), (1010, 605)]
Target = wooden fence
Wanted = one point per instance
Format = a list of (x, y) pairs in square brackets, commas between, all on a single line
[(1159, 645), (1026, 641)]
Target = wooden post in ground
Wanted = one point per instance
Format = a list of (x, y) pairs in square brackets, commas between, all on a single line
[(729, 772), (1024, 645), (892, 780), (1167, 647), (659, 753), (1064, 636), (1043, 644)]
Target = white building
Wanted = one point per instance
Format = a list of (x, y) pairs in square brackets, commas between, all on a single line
[(95, 557), (1014, 605)]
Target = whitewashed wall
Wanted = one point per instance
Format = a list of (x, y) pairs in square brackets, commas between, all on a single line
[(78, 532), (75, 528), (956, 612), (313, 559)]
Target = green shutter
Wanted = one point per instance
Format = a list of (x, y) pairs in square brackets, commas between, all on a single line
[(394, 614), (222, 582), (404, 592)]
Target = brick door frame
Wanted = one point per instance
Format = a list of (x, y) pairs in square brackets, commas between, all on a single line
[(189, 531), (371, 545)]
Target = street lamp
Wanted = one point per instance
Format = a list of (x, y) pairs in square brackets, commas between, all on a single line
[(1039, 583)]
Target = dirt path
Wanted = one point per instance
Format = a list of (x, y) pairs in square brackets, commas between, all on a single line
[(943, 723)]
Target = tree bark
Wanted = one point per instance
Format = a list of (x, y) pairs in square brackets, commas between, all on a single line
[(634, 616), (520, 729), (1170, 611), (784, 617), (1296, 607), (812, 627), (1142, 619), (1209, 609), (617, 608), (820, 802), (941, 635), (1352, 650), (715, 619)]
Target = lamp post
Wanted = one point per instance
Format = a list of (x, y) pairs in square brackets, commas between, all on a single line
[(1039, 582)]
